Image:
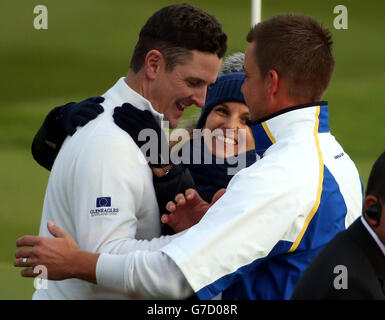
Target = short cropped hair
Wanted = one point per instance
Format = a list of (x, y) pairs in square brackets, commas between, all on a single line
[(299, 49), (376, 181), (175, 31)]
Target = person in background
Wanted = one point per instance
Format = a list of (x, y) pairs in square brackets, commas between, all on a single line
[(225, 114), (210, 157)]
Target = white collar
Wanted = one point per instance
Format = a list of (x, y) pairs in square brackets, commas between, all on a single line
[(121, 92), (297, 120), (374, 235)]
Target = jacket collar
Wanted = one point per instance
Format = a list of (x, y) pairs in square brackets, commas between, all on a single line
[(292, 120)]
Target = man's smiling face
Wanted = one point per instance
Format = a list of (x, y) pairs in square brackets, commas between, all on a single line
[(171, 92)]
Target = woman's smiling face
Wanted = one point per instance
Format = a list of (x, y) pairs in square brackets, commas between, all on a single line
[(225, 122)]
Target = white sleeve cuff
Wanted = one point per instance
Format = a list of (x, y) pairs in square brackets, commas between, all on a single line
[(146, 274), (110, 270)]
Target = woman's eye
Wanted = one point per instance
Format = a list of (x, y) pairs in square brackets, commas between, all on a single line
[(221, 110)]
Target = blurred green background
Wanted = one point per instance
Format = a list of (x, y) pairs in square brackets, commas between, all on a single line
[(88, 46)]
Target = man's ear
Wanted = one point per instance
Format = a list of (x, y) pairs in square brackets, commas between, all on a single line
[(370, 200), (272, 82), (152, 63)]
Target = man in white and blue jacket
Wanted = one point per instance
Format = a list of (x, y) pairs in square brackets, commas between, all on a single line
[(259, 237)]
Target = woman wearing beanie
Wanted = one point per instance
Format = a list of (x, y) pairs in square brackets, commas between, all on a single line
[(224, 114)]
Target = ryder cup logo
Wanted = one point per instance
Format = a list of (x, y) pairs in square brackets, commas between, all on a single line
[(103, 208), (103, 202)]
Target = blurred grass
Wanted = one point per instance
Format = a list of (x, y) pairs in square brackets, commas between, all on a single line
[(88, 46)]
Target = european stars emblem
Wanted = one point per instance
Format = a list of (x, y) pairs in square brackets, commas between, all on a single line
[(103, 202)]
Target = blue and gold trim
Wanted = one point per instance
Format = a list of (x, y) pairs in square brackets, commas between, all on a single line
[(320, 182), (263, 138), (323, 119)]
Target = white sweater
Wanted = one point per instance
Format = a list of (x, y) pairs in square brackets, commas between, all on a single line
[(101, 192)]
